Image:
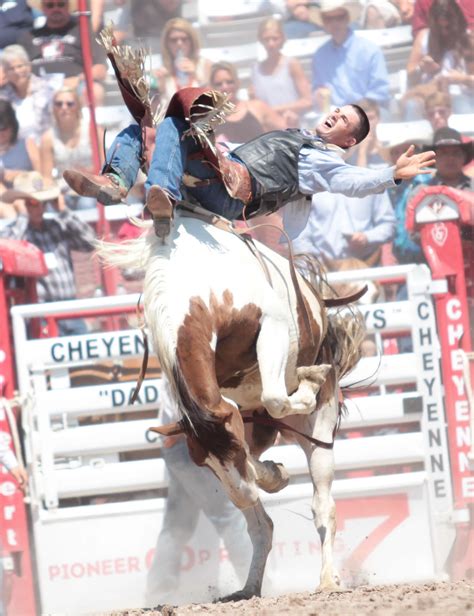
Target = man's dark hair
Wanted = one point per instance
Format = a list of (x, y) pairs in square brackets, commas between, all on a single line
[(361, 131), (8, 119)]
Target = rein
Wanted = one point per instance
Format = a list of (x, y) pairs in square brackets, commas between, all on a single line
[(281, 425), (173, 429), (146, 354)]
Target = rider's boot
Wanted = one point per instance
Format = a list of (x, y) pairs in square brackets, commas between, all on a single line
[(107, 188), (160, 205)]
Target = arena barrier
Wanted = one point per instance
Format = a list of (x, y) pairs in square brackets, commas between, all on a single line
[(98, 484)]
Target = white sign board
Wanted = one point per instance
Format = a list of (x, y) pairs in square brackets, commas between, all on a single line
[(100, 562)]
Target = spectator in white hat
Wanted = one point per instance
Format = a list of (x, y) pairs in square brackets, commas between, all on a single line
[(56, 236)]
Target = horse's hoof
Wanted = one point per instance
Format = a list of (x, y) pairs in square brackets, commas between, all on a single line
[(279, 477), (240, 595)]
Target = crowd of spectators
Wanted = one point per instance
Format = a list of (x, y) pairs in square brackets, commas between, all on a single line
[(44, 128)]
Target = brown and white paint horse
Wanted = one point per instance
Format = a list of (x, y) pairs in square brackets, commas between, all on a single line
[(232, 339)]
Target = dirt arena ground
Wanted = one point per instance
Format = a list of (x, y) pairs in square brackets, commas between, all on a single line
[(433, 599)]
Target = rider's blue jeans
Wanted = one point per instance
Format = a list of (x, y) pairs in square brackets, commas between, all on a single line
[(171, 158)]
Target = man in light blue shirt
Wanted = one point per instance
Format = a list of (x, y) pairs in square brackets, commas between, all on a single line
[(340, 227), (347, 67)]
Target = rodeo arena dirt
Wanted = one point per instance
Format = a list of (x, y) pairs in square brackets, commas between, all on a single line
[(192, 420)]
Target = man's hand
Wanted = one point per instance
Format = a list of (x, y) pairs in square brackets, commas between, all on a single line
[(358, 240), (409, 164), (20, 475)]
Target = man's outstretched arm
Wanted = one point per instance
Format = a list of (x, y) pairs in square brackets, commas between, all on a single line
[(410, 164), (321, 170)]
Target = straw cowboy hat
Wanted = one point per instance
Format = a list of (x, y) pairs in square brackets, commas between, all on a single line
[(30, 185), (448, 136), (328, 6), (406, 134)]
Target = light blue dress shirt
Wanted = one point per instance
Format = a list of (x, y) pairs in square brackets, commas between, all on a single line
[(324, 170), (353, 71), (333, 218)]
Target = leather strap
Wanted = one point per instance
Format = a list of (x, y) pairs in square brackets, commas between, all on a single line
[(281, 425), (146, 354), (176, 428)]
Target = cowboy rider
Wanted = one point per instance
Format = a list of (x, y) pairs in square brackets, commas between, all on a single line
[(256, 178)]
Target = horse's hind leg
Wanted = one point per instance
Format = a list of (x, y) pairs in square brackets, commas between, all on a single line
[(272, 351), (239, 479), (260, 529)]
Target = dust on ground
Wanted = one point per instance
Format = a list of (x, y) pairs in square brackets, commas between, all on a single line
[(432, 599)]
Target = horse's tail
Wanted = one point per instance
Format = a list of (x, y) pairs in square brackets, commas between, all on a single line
[(128, 254), (201, 424), (148, 254)]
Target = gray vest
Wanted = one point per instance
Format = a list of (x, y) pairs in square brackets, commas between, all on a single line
[(272, 160)]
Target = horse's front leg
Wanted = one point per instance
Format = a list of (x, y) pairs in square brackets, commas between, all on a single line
[(273, 346), (321, 425), (321, 466)]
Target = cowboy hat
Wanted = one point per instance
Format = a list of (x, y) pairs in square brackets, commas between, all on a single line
[(328, 6), (446, 136), (405, 133), (30, 185)]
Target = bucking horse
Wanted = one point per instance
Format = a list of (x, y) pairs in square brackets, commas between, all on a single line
[(249, 349), (234, 335)]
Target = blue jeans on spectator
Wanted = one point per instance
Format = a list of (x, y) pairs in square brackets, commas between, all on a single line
[(171, 159), (192, 489)]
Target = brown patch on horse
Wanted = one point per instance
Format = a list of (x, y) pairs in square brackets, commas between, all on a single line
[(237, 332), (194, 341), (201, 371)]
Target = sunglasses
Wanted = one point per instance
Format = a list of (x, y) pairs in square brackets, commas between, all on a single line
[(69, 104), (178, 39), (55, 5)]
